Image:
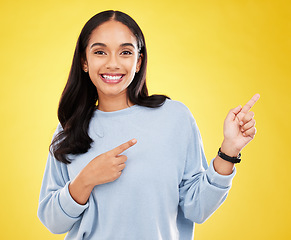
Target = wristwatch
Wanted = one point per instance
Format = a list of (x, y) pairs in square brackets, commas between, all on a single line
[(228, 158)]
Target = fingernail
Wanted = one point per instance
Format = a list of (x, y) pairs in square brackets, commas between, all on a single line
[(241, 123), (134, 140)]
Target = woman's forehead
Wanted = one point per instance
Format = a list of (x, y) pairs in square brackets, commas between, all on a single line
[(112, 32)]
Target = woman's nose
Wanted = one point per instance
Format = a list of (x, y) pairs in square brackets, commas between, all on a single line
[(112, 62)]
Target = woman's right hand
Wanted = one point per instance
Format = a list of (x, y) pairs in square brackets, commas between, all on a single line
[(108, 166), (104, 168)]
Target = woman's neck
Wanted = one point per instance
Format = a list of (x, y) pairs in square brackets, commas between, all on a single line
[(111, 104)]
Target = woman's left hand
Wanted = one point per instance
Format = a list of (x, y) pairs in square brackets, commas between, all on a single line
[(239, 128)]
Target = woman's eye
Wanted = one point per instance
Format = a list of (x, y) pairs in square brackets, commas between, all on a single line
[(126, 53), (99, 53)]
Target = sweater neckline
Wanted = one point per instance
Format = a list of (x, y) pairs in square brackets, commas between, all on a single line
[(121, 112)]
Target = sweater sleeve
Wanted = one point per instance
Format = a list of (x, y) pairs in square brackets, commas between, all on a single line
[(202, 190), (57, 210)]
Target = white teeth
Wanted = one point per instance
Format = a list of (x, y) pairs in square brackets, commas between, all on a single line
[(109, 77)]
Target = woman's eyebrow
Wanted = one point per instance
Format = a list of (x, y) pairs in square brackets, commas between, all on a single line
[(127, 44), (104, 45), (98, 44)]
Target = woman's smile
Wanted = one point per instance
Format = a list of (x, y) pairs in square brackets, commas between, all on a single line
[(112, 78)]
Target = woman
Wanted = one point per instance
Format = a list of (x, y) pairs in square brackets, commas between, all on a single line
[(132, 167)]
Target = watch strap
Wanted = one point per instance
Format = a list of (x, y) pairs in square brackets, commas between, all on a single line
[(228, 158)]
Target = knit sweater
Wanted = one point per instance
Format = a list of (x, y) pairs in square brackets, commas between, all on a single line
[(165, 188)]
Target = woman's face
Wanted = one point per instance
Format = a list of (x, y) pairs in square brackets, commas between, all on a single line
[(112, 59)]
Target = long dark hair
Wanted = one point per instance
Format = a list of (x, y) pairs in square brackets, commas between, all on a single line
[(79, 97)]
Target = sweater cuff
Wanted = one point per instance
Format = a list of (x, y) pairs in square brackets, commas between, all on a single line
[(216, 179), (68, 204)]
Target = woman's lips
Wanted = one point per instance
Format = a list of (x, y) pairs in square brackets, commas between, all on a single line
[(112, 78)]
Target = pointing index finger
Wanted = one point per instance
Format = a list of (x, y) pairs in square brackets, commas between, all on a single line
[(121, 148), (250, 103)]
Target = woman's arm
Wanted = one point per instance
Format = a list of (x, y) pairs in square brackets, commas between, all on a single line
[(203, 191), (57, 210), (239, 129), (62, 201)]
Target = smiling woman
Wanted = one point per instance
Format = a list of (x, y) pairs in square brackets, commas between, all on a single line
[(112, 59), (96, 54), (132, 166)]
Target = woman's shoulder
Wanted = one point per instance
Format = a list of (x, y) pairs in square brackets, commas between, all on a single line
[(175, 103), (177, 110), (176, 107)]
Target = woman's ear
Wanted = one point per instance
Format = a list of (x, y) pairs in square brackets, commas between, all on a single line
[(139, 61), (84, 65)]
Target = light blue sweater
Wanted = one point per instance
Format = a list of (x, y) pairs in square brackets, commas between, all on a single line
[(165, 186)]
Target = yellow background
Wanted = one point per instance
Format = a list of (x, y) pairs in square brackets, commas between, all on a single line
[(211, 55)]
